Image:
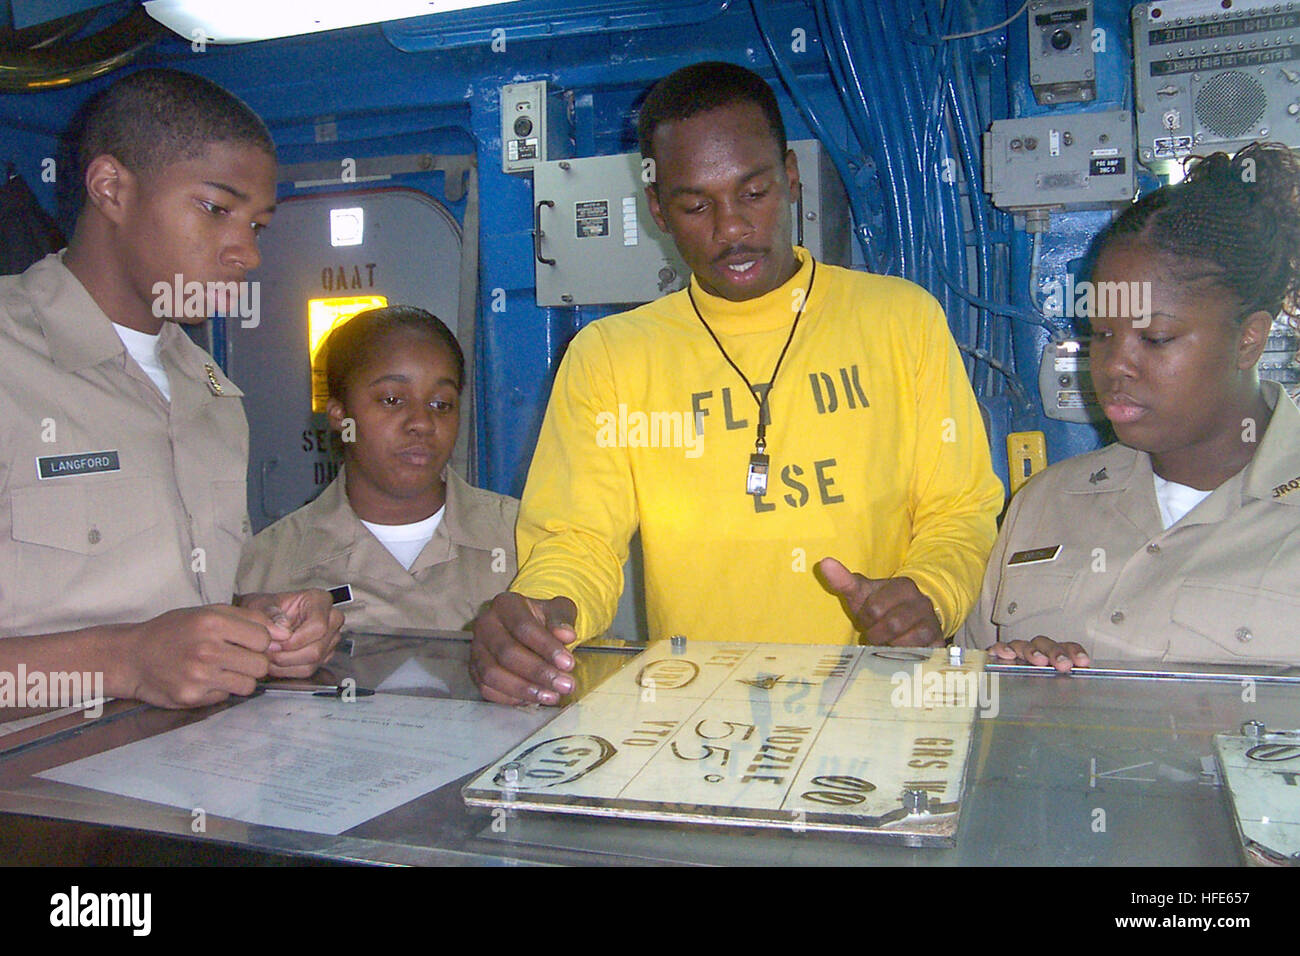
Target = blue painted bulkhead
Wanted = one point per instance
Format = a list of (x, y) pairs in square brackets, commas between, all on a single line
[(901, 111)]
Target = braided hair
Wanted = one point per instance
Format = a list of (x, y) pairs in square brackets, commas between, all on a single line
[(1234, 220)]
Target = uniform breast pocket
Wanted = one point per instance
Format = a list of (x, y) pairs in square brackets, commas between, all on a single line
[(90, 517), (1031, 601), (230, 534), (230, 508), (1236, 623)]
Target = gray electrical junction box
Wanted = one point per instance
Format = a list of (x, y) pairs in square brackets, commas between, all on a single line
[(535, 126), (1075, 161), (1062, 66), (595, 242)]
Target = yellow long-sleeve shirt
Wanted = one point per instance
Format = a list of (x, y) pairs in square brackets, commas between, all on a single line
[(878, 458)]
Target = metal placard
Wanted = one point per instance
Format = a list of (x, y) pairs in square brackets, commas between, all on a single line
[(796, 737)]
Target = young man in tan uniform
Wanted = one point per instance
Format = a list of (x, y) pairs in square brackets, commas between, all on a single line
[(123, 452)]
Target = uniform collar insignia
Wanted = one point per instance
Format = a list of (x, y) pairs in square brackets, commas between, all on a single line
[(213, 385)]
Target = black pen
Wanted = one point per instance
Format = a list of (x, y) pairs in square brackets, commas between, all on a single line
[(338, 691)]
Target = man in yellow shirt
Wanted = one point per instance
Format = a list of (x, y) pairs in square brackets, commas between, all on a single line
[(776, 411)]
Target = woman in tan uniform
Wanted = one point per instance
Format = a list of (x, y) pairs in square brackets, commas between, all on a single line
[(1182, 541), (404, 539)]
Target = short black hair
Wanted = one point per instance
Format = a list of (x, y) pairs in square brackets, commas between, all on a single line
[(351, 344), (1234, 219), (700, 88), (156, 117)]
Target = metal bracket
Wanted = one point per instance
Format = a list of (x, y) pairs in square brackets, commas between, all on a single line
[(377, 168)]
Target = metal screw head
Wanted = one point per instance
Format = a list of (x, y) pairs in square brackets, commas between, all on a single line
[(566, 297), (1252, 728), (916, 801), (564, 164)]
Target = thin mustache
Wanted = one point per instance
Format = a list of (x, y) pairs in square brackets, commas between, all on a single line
[(738, 251)]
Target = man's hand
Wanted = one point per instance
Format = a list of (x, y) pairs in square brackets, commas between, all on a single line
[(889, 611), (194, 656), (304, 630), (1040, 652), (518, 654)]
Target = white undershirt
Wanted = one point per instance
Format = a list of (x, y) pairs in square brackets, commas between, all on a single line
[(144, 349), (406, 541), (1176, 500)]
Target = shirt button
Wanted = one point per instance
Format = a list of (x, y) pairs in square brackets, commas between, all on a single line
[(1243, 634), (1153, 549), (93, 537), (1011, 608), (1117, 617)]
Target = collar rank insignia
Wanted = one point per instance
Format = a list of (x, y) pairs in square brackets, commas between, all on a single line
[(1097, 476), (213, 385), (1287, 488)]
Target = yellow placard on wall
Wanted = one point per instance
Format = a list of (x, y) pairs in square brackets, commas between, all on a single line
[(322, 316), (1026, 457)]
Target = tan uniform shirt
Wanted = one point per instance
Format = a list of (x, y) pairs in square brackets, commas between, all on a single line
[(117, 505), (1221, 585), (469, 560)]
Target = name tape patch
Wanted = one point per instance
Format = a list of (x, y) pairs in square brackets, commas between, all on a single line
[(1035, 555), (92, 462)]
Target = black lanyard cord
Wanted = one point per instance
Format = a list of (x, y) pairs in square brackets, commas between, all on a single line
[(761, 443)]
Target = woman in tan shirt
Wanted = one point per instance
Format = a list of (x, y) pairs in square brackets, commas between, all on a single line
[(406, 541), (1181, 542)]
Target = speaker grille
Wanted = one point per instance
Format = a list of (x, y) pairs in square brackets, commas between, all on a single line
[(1230, 104)]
